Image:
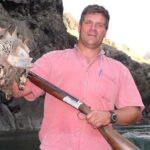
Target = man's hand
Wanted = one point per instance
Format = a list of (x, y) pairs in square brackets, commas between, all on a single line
[(98, 118), (127, 115)]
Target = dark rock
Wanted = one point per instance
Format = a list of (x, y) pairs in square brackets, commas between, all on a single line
[(41, 22)]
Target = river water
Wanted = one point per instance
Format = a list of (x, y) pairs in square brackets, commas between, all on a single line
[(28, 140), (137, 134), (19, 140)]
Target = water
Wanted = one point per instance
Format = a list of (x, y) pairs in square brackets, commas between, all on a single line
[(137, 134), (28, 140), (20, 140)]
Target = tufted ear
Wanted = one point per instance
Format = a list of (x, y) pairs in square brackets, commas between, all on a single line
[(24, 40), (5, 33), (14, 33), (25, 46)]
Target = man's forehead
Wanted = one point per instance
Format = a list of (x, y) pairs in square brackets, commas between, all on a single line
[(92, 16)]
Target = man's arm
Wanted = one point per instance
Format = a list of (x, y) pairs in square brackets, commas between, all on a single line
[(125, 116), (128, 115)]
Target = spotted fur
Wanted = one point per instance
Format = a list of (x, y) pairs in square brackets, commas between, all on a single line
[(14, 62)]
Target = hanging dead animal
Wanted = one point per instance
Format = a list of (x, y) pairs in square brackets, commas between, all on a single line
[(14, 61)]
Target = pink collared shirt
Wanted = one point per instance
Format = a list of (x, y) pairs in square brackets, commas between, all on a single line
[(103, 84)]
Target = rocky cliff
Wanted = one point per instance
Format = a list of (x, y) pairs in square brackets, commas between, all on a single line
[(41, 21)]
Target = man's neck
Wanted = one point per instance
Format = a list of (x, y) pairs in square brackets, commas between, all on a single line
[(89, 53)]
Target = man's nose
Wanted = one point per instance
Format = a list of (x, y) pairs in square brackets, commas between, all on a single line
[(93, 26)]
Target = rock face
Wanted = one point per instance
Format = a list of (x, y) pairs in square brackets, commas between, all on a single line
[(42, 23)]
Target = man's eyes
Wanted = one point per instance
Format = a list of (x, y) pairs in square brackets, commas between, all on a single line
[(88, 22), (100, 25), (97, 24)]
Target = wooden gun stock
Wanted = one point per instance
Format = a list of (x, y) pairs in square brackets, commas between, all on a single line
[(116, 141)]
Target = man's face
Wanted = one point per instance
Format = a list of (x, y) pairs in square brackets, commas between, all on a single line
[(92, 30)]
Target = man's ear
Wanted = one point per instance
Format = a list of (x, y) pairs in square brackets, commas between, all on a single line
[(105, 34), (79, 27)]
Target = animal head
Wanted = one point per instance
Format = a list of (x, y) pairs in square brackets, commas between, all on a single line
[(16, 49), (14, 60)]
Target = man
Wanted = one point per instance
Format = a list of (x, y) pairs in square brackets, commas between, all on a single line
[(85, 72)]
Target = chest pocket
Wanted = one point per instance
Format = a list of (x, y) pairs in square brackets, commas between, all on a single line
[(106, 91)]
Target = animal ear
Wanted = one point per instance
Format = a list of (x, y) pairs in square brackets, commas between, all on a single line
[(14, 33), (4, 33), (23, 43), (7, 33), (24, 40), (9, 29), (26, 46)]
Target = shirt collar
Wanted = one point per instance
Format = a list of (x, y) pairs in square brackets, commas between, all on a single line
[(102, 52)]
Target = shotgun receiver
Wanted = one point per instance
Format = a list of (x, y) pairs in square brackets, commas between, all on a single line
[(116, 141)]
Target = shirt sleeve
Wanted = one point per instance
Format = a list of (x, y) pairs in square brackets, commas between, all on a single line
[(128, 92), (42, 68)]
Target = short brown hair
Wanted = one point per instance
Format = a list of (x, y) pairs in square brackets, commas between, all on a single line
[(95, 9)]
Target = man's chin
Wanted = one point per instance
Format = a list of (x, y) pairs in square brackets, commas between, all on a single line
[(93, 46)]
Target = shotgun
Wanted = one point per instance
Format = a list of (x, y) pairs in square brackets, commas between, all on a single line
[(116, 140)]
